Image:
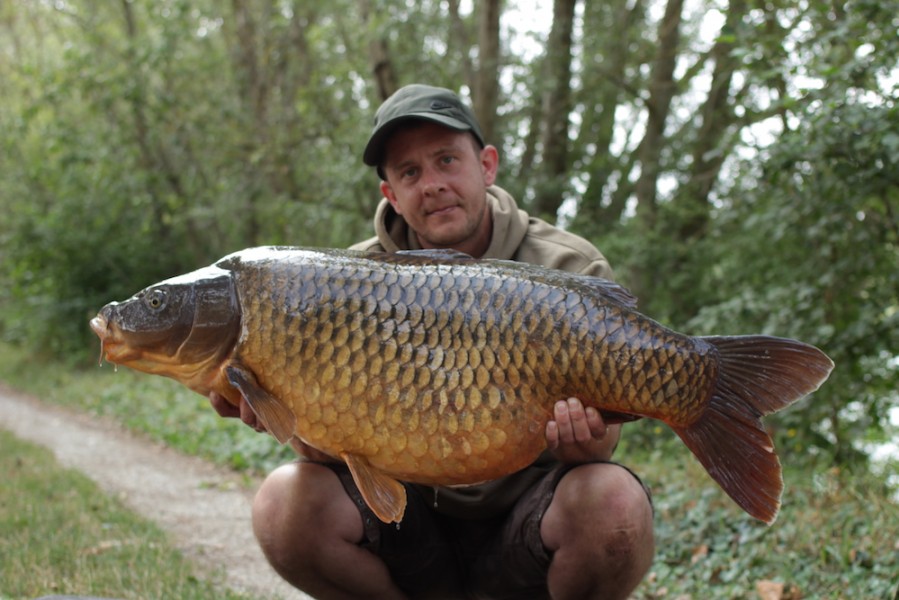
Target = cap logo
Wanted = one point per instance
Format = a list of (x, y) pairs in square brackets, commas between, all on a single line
[(440, 105)]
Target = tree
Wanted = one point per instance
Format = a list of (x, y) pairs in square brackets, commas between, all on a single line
[(691, 143), (555, 103), (486, 80)]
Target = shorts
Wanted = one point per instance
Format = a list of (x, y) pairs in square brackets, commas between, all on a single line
[(432, 555)]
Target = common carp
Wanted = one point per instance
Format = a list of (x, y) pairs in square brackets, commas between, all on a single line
[(432, 367)]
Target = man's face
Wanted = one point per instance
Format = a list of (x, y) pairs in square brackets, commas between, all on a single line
[(437, 180)]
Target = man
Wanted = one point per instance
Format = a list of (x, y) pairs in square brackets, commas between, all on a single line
[(573, 525)]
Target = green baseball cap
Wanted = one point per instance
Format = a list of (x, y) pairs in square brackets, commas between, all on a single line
[(418, 102)]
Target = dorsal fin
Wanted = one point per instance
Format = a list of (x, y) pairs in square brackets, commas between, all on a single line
[(610, 290), (589, 284), (437, 254)]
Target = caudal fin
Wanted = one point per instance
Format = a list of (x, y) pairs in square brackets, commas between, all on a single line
[(757, 375)]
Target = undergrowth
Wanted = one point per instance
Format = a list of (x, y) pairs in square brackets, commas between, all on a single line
[(837, 535)]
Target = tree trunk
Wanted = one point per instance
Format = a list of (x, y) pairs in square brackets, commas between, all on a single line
[(661, 91), (556, 107), (385, 77), (648, 272), (717, 116), (459, 44), (605, 88), (154, 157), (529, 154), (251, 79), (486, 88)]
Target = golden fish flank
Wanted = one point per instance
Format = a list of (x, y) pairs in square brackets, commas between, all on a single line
[(435, 368)]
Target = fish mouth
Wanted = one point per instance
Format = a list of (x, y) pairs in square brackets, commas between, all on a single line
[(116, 348), (111, 346), (100, 327)]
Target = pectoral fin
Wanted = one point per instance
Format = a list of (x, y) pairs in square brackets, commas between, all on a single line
[(276, 417), (611, 417), (384, 495)]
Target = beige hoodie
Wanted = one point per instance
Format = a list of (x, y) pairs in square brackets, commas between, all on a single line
[(516, 236)]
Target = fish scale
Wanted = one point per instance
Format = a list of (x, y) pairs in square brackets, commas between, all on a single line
[(432, 367)]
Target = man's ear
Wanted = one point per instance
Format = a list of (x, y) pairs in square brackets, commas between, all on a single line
[(387, 191), (489, 163)]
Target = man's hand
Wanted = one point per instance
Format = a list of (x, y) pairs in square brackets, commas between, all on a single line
[(579, 435), (242, 411)]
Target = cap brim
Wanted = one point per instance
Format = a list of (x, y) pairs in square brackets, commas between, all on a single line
[(374, 150)]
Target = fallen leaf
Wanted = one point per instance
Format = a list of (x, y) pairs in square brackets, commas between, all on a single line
[(770, 590), (699, 552), (103, 546)]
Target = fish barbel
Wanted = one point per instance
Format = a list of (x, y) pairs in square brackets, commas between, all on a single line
[(432, 367)]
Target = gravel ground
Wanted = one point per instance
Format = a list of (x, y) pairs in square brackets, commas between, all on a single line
[(205, 509)]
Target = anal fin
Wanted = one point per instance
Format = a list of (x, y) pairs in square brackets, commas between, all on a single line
[(384, 495)]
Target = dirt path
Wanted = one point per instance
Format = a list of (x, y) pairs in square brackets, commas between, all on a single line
[(205, 508)]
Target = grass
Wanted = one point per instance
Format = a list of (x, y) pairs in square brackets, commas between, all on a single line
[(59, 534), (837, 535)]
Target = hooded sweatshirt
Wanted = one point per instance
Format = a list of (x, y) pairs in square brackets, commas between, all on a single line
[(520, 237)]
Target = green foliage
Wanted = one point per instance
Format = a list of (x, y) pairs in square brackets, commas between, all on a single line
[(834, 537), (803, 236), (811, 253), (129, 159), (144, 139), (60, 534)]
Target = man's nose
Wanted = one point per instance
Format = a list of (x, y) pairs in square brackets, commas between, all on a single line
[(432, 181)]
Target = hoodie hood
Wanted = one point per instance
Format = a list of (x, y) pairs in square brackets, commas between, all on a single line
[(510, 225)]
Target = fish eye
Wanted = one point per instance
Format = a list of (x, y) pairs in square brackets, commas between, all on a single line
[(155, 299)]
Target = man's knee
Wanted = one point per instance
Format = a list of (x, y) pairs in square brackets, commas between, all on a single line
[(625, 494), (274, 514), (299, 502), (596, 503), (599, 527)]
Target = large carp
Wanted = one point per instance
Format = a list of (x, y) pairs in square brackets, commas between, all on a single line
[(432, 367)]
